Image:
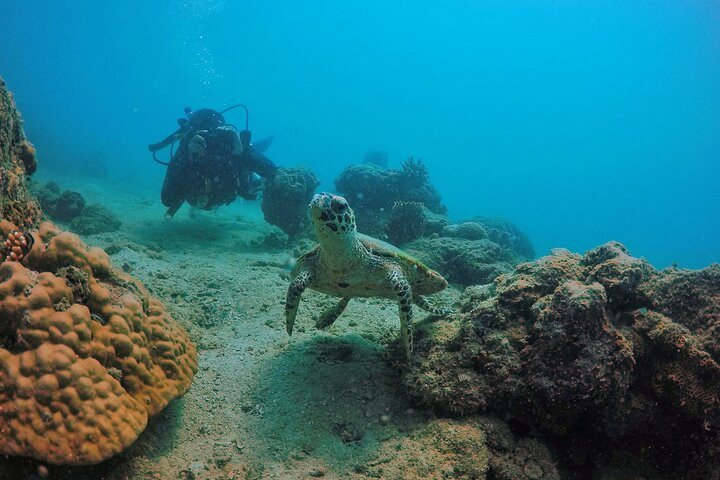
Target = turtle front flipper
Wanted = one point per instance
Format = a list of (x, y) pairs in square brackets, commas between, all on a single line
[(295, 290), (402, 290), (331, 314), (423, 303)]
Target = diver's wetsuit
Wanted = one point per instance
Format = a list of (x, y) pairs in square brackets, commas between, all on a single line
[(214, 176)]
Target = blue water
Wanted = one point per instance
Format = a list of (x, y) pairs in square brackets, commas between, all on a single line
[(580, 121)]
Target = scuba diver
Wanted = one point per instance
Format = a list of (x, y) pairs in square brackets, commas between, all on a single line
[(214, 162)]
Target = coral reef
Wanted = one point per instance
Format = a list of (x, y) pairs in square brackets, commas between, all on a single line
[(17, 161), (95, 218), (595, 351), (285, 199), (373, 190), (86, 353)]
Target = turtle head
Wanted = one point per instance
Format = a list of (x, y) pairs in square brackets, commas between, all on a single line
[(332, 216)]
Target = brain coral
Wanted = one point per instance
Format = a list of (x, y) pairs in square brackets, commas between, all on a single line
[(81, 374)]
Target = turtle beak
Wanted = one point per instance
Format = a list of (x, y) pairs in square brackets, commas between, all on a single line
[(319, 200)]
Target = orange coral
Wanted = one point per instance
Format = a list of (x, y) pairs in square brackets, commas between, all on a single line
[(17, 245), (80, 377)]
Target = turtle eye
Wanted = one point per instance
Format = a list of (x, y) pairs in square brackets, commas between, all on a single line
[(338, 204)]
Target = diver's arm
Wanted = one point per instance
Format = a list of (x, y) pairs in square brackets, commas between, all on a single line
[(260, 164)]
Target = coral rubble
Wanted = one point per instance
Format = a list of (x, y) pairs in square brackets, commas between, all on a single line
[(596, 351)]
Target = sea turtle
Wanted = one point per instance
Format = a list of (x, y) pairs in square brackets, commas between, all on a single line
[(348, 264)]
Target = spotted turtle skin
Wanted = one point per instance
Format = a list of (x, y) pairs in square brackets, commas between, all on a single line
[(348, 264)]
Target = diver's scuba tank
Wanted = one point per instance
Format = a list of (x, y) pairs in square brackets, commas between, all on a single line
[(203, 119), (194, 122)]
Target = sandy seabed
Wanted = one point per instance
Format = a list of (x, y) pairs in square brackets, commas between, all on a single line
[(263, 405)]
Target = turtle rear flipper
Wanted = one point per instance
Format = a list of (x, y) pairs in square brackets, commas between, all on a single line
[(331, 314), (422, 302)]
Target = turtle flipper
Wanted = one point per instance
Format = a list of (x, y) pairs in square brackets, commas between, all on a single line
[(295, 290), (331, 314), (402, 290), (422, 302)]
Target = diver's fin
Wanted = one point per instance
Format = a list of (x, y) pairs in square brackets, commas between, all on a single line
[(263, 144)]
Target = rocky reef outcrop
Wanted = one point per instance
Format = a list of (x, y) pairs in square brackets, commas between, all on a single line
[(61, 205), (94, 219), (403, 207), (286, 197), (473, 253), (17, 162), (601, 353), (373, 190), (70, 208)]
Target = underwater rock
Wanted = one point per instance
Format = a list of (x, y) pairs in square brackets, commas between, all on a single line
[(462, 261), (572, 325), (17, 162), (285, 199), (62, 206), (432, 451), (68, 206), (466, 230), (95, 218), (376, 157), (367, 186), (78, 381), (412, 220), (507, 235), (407, 222), (373, 190), (599, 350), (511, 458)]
